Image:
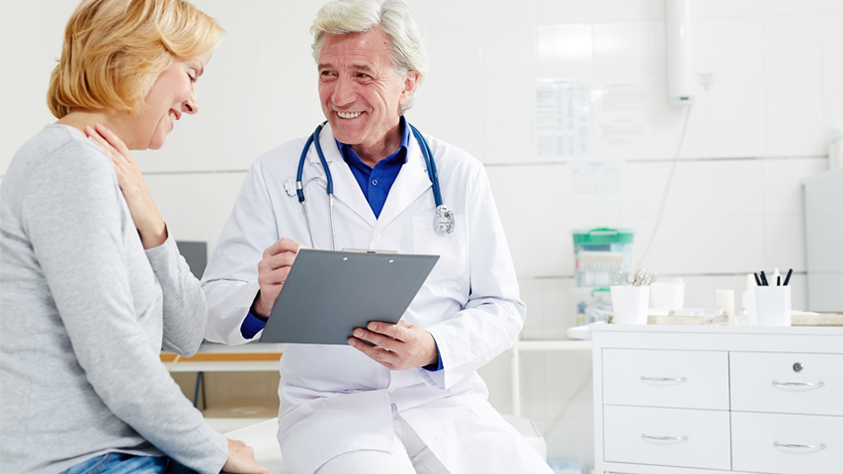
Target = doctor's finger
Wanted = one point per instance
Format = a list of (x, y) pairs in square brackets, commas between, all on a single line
[(401, 331), (273, 277), (380, 355), (273, 262), (378, 339), (284, 244)]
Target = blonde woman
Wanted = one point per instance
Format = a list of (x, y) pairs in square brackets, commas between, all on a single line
[(93, 284)]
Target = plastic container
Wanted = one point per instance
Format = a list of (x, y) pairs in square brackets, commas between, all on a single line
[(599, 253), (591, 305), (773, 304)]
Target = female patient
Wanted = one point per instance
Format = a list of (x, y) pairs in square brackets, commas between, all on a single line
[(93, 284)]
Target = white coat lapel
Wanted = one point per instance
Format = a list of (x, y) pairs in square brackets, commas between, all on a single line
[(412, 181), (346, 189)]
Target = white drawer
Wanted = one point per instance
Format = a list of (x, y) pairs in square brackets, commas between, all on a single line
[(674, 379), (767, 382), (754, 438), (667, 437)]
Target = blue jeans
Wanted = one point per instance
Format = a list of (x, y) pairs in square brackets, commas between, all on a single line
[(118, 463)]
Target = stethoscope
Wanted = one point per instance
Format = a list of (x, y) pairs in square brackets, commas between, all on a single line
[(444, 217)]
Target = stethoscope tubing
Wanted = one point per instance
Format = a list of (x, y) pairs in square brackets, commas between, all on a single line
[(432, 173)]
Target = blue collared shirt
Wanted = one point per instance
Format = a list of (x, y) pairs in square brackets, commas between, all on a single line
[(376, 182)]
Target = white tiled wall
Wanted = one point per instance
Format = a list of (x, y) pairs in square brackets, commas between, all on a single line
[(734, 204)]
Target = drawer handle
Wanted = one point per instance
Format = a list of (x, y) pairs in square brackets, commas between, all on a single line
[(664, 438), (663, 379), (798, 384), (799, 446)]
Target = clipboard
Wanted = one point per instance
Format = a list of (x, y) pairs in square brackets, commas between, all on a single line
[(328, 293)]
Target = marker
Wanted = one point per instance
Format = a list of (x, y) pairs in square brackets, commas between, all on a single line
[(757, 280), (779, 280), (787, 278), (763, 278)]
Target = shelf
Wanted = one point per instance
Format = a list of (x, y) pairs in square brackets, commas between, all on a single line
[(212, 357), (554, 345)]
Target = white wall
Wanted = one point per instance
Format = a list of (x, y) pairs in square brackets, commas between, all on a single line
[(735, 205)]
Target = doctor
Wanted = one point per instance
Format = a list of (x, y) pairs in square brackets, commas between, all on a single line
[(414, 403)]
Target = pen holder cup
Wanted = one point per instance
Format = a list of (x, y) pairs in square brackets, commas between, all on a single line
[(630, 304), (773, 305)]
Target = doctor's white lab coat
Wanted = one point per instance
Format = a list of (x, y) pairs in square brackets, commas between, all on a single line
[(334, 399)]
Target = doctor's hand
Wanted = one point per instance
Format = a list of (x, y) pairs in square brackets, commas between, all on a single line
[(150, 224), (399, 346), (272, 273), (241, 459)]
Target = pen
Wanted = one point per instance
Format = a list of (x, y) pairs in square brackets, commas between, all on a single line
[(757, 280), (763, 278), (787, 278), (779, 280)]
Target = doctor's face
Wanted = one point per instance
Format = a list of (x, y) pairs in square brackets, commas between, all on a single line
[(360, 90)]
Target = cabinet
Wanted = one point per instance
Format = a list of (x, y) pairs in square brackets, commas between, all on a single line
[(718, 399)]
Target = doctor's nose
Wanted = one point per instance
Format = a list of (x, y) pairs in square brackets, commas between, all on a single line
[(191, 105), (343, 92)]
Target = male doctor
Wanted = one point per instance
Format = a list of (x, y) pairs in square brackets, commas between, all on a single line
[(413, 402)]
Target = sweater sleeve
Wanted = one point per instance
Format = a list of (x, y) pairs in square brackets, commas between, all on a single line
[(77, 227), (185, 311), (230, 282)]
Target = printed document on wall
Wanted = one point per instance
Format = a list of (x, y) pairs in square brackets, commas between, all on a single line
[(596, 181), (622, 120), (562, 118)]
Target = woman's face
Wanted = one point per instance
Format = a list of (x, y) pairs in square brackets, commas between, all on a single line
[(172, 95)]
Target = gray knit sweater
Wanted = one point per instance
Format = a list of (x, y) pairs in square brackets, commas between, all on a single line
[(84, 314)]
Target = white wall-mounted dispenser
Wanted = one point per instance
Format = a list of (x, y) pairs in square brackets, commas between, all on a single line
[(678, 48)]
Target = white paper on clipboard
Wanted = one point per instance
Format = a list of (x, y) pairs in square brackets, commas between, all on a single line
[(327, 294)]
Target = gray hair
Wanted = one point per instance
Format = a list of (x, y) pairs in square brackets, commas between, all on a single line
[(343, 17)]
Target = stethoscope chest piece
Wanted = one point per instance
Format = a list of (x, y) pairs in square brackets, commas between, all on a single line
[(290, 186), (444, 219)]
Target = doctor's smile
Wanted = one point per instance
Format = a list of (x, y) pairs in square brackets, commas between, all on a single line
[(349, 115)]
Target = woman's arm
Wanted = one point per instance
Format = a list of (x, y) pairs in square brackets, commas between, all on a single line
[(78, 231), (185, 311)]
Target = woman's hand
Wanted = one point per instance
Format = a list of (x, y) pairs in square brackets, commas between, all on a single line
[(241, 459), (150, 224)]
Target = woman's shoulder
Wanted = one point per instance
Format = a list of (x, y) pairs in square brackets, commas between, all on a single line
[(56, 141), (59, 157)]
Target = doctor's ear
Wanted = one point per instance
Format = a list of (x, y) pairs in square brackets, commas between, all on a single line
[(410, 81)]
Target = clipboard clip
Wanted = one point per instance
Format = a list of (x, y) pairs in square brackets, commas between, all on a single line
[(369, 251)]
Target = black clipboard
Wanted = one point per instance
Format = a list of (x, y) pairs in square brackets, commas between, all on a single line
[(328, 293)]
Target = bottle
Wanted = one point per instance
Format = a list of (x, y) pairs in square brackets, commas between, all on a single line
[(725, 299), (748, 301)]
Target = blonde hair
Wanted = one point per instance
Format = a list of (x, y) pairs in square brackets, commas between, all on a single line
[(114, 51), (393, 17)]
